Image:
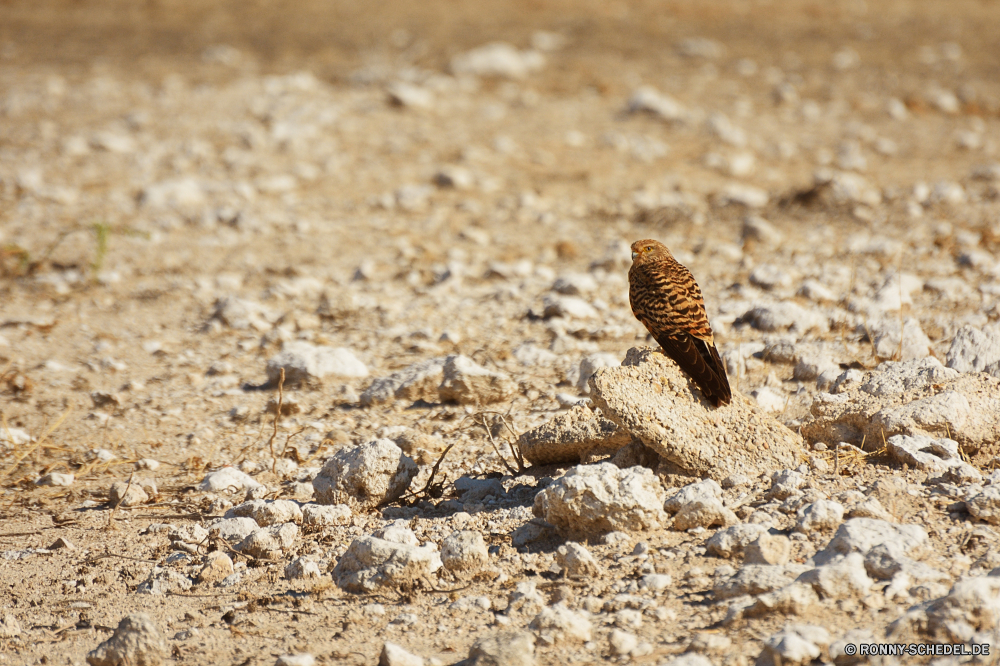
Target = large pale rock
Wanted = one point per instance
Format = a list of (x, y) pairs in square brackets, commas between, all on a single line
[(768, 549), (971, 609), (497, 59), (228, 479), (649, 397), (906, 344), (840, 579), (795, 645), (986, 505), (217, 566), (301, 568), (464, 551), (269, 543), (590, 364), (365, 476), (885, 563), (792, 599), (305, 362), (469, 383), (753, 579), (163, 581), (476, 490), (933, 455), (595, 499), (822, 514), (419, 381), (648, 99), (860, 535), (396, 655), (136, 642), (371, 563), (704, 513), (239, 313), (125, 494), (267, 512), (891, 377), (965, 408), (576, 561), (326, 515), (232, 529), (572, 436), (976, 350), (9, 626), (732, 541), (559, 624), (782, 316), (525, 598), (507, 648), (692, 492)]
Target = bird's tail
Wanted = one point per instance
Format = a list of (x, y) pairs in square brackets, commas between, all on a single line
[(701, 361)]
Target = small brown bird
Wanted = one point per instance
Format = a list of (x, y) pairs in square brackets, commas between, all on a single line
[(668, 302)]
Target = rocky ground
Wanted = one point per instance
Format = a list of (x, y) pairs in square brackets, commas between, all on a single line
[(315, 344)]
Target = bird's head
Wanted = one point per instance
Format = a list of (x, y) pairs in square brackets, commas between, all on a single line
[(646, 250)]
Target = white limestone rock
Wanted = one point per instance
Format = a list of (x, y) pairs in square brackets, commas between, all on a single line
[(302, 567), (269, 543), (732, 541), (842, 578), (468, 383), (859, 535), (326, 515), (820, 515), (934, 455), (505, 648), (795, 645), (557, 624), (976, 350), (498, 59), (365, 476), (571, 437), (700, 490), (371, 563), (136, 640), (595, 499), (464, 551), (228, 479), (576, 561), (304, 362), (649, 397), (704, 513), (419, 381), (268, 512)]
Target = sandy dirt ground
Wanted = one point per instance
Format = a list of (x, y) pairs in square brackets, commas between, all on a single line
[(187, 188)]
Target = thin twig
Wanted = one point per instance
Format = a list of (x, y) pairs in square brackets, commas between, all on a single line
[(493, 442), (124, 557), (41, 440), (322, 444), (114, 509), (899, 352), (289, 439), (277, 418), (431, 588), (434, 471)]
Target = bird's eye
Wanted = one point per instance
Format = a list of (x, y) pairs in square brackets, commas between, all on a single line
[(649, 248)]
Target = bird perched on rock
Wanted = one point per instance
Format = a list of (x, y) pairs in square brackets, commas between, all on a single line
[(668, 302)]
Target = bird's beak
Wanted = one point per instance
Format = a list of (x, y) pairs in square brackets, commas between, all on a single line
[(634, 255)]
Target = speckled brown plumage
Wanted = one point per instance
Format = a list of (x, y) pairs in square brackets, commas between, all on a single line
[(668, 302)]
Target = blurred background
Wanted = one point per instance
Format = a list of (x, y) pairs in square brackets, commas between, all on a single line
[(375, 165)]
